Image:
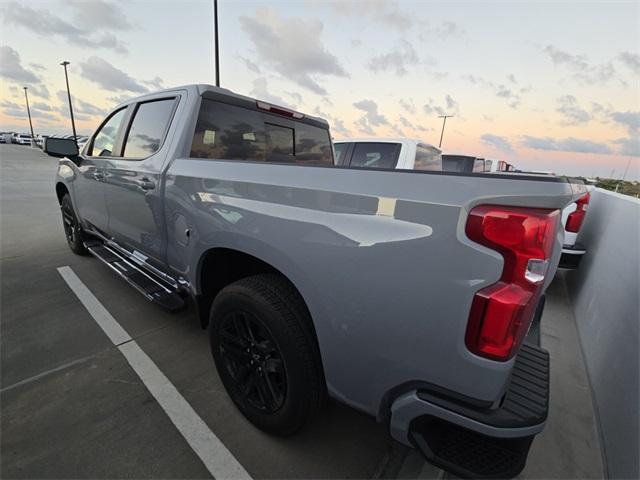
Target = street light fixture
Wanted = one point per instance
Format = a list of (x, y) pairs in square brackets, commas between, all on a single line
[(444, 121), (26, 97), (73, 123)]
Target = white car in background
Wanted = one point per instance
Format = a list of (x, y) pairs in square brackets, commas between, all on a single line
[(23, 139), (387, 153), (572, 219)]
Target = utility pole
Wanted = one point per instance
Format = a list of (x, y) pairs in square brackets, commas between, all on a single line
[(444, 122), (73, 123), (26, 97), (215, 34)]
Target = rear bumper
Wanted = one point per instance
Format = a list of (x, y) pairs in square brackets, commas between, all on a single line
[(471, 441), (571, 256)]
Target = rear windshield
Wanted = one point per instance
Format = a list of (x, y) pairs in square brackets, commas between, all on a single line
[(230, 132), (375, 155)]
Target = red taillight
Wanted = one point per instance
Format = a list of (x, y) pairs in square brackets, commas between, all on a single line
[(575, 218), (501, 313)]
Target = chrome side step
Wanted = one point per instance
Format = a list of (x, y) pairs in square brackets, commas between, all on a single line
[(153, 289)]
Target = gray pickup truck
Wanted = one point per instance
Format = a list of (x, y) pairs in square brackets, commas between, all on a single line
[(405, 294)]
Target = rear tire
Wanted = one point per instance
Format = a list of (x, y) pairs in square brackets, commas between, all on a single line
[(265, 353), (72, 228)]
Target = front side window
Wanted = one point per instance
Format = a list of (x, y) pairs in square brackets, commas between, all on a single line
[(427, 158), (148, 127), (105, 138), (375, 155)]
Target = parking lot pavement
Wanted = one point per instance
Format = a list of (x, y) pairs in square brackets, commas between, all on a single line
[(72, 406)]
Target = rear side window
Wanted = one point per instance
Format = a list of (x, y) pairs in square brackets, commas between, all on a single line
[(105, 139), (229, 132), (313, 145), (427, 158), (375, 155), (148, 128)]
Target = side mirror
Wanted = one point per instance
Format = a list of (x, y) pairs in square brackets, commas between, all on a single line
[(60, 147)]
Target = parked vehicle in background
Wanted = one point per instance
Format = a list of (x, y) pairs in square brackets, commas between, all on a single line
[(82, 141), (572, 219), (40, 139), (23, 139), (406, 294), (389, 153), (463, 163)]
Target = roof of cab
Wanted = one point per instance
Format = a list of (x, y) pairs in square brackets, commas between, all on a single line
[(202, 89)]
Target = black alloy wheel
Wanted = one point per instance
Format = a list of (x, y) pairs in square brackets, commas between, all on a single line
[(72, 228), (253, 361)]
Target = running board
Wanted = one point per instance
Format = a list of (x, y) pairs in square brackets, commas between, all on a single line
[(148, 286)]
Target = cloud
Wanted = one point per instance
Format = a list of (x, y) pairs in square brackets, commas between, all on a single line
[(499, 143), (628, 146), (580, 67), (338, 126), (37, 66), (407, 124), (629, 120), (91, 27), (385, 12), (433, 108), (156, 83), (371, 115), (12, 109), (408, 105), (107, 76), (443, 31), (631, 60), (292, 47), (261, 92), (101, 14), (572, 112), (11, 67), (565, 145), (400, 58), (251, 66), (513, 97)]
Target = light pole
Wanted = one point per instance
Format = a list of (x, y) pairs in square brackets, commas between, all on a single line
[(215, 34), (26, 97), (444, 122), (73, 122)]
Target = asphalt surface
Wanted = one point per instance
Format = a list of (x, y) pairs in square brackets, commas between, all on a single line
[(72, 407)]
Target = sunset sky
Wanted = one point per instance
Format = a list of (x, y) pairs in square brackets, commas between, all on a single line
[(544, 85)]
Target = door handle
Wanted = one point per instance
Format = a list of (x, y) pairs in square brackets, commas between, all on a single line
[(99, 176), (146, 184)]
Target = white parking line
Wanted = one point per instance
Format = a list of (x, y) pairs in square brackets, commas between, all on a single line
[(216, 457)]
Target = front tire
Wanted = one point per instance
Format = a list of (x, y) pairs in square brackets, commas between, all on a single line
[(72, 228), (265, 353)]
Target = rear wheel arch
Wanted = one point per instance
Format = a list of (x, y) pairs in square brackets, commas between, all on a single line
[(219, 267), (61, 191)]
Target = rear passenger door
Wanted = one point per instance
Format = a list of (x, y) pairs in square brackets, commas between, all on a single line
[(133, 181)]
